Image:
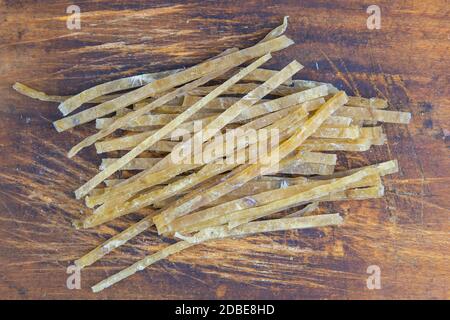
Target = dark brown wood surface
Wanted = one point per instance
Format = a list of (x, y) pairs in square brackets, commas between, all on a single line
[(406, 233)]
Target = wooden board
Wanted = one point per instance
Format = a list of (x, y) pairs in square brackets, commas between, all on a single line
[(405, 233)]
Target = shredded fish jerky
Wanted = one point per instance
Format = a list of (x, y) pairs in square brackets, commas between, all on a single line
[(206, 152)]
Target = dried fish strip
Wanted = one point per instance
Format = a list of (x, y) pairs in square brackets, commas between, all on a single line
[(135, 164), (42, 96), (219, 233), (301, 167), (358, 113), (260, 75), (172, 81), (220, 103), (260, 195), (124, 120), (350, 194), (304, 211), (372, 132), (35, 94), (284, 102), (278, 31), (130, 141), (74, 102), (217, 215), (376, 103), (144, 145), (107, 213), (149, 120), (115, 242), (134, 184), (148, 198), (193, 184), (237, 218), (252, 187), (350, 132), (145, 163), (307, 84), (244, 88), (308, 169), (228, 115), (254, 170), (127, 142), (336, 145), (383, 168), (69, 104), (336, 121)]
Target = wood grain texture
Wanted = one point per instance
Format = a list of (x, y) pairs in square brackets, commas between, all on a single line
[(406, 233)]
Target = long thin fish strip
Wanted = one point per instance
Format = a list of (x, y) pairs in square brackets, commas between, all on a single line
[(218, 233), (128, 118), (90, 94), (172, 81), (166, 129), (301, 134), (226, 117), (217, 214)]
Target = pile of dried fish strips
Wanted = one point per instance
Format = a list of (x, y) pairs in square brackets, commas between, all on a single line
[(225, 148)]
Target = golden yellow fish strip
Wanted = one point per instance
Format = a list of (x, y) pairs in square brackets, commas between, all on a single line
[(149, 120), (383, 168), (172, 189), (359, 113), (222, 232), (172, 81), (74, 102), (336, 121), (129, 187), (376, 103), (226, 117), (278, 31), (145, 163), (234, 111), (350, 194), (252, 187), (69, 104), (309, 99), (300, 167), (285, 183), (244, 88), (372, 132), (304, 211), (259, 75), (373, 192), (243, 216), (352, 101), (308, 169), (351, 132), (283, 102), (129, 117), (215, 215), (109, 212), (127, 142), (42, 96), (254, 170), (126, 191), (115, 242), (144, 145), (126, 235), (220, 103), (336, 145)]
